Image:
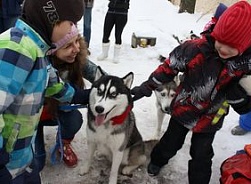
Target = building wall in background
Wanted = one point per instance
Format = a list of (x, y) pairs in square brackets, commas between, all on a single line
[(208, 6)]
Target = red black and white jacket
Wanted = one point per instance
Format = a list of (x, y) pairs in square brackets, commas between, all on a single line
[(207, 78)]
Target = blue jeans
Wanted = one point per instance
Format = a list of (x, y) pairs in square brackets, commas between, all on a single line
[(6, 23), (87, 24)]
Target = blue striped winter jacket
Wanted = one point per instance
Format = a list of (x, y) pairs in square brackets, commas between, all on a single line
[(25, 73)]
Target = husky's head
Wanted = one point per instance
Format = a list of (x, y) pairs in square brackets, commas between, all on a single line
[(164, 96), (110, 96)]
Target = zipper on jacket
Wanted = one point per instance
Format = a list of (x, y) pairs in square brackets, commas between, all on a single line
[(12, 138)]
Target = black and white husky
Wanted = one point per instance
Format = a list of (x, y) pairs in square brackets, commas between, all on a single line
[(111, 126), (164, 96)]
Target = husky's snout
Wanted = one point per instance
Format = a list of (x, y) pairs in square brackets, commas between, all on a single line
[(166, 110), (99, 109)]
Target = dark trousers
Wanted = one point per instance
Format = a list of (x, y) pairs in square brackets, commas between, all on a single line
[(31, 176), (117, 20), (201, 151)]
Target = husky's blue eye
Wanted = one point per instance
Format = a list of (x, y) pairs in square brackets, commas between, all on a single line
[(99, 91), (113, 94)]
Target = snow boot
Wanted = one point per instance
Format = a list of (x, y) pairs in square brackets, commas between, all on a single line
[(152, 169), (117, 48), (238, 131), (105, 50), (69, 157)]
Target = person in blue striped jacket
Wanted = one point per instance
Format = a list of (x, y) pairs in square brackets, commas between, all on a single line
[(26, 77)]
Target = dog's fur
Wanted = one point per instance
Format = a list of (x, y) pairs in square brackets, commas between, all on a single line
[(164, 96), (121, 143)]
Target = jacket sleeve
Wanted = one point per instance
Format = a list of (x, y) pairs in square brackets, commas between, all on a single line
[(81, 96), (238, 98), (245, 82), (57, 89), (89, 71), (175, 63)]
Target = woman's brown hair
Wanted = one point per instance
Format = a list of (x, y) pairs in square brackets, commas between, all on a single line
[(74, 73), (74, 70)]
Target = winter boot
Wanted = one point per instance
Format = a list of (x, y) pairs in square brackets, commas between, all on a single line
[(152, 169), (117, 48), (69, 157), (238, 131), (105, 50)]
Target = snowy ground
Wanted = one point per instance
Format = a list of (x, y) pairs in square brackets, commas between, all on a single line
[(160, 19)]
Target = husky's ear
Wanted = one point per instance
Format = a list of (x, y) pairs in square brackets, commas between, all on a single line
[(128, 79), (99, 73)]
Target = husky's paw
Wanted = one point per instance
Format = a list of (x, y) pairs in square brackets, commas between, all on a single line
[(127, 170), (83, 170), (99, 156)]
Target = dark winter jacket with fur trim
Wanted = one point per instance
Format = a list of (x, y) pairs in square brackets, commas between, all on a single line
[(118, 6), (207, 79)]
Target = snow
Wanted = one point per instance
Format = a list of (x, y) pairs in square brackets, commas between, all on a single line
[(158, 18)]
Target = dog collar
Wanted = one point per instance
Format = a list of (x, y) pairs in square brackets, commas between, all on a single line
[(117, 120)]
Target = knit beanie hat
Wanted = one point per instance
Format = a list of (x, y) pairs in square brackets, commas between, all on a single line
[(234, 26), (42, 15)]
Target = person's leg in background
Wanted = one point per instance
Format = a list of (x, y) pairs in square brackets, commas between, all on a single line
[(120, 22), (244, 125), (87, 25), (108, 25)]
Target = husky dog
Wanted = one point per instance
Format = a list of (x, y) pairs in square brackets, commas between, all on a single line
[(164, 96), (111, 125)]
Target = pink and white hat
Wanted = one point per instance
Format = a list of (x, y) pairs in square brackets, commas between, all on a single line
[(60, 43)]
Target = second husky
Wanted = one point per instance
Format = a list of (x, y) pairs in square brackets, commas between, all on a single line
[(111, 125)]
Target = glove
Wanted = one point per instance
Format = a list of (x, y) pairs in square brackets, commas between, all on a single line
[(238, 99), (5, 176), (145, 89), (81, 96)]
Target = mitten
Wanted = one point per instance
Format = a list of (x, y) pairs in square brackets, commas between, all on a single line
[(238, 99), (145, 89), (81, 96)]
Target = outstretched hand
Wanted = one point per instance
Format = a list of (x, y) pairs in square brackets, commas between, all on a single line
[(137, 94), (143, 90)]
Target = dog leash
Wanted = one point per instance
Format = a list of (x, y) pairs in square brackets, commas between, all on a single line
[(59, 144), (71, 107)]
